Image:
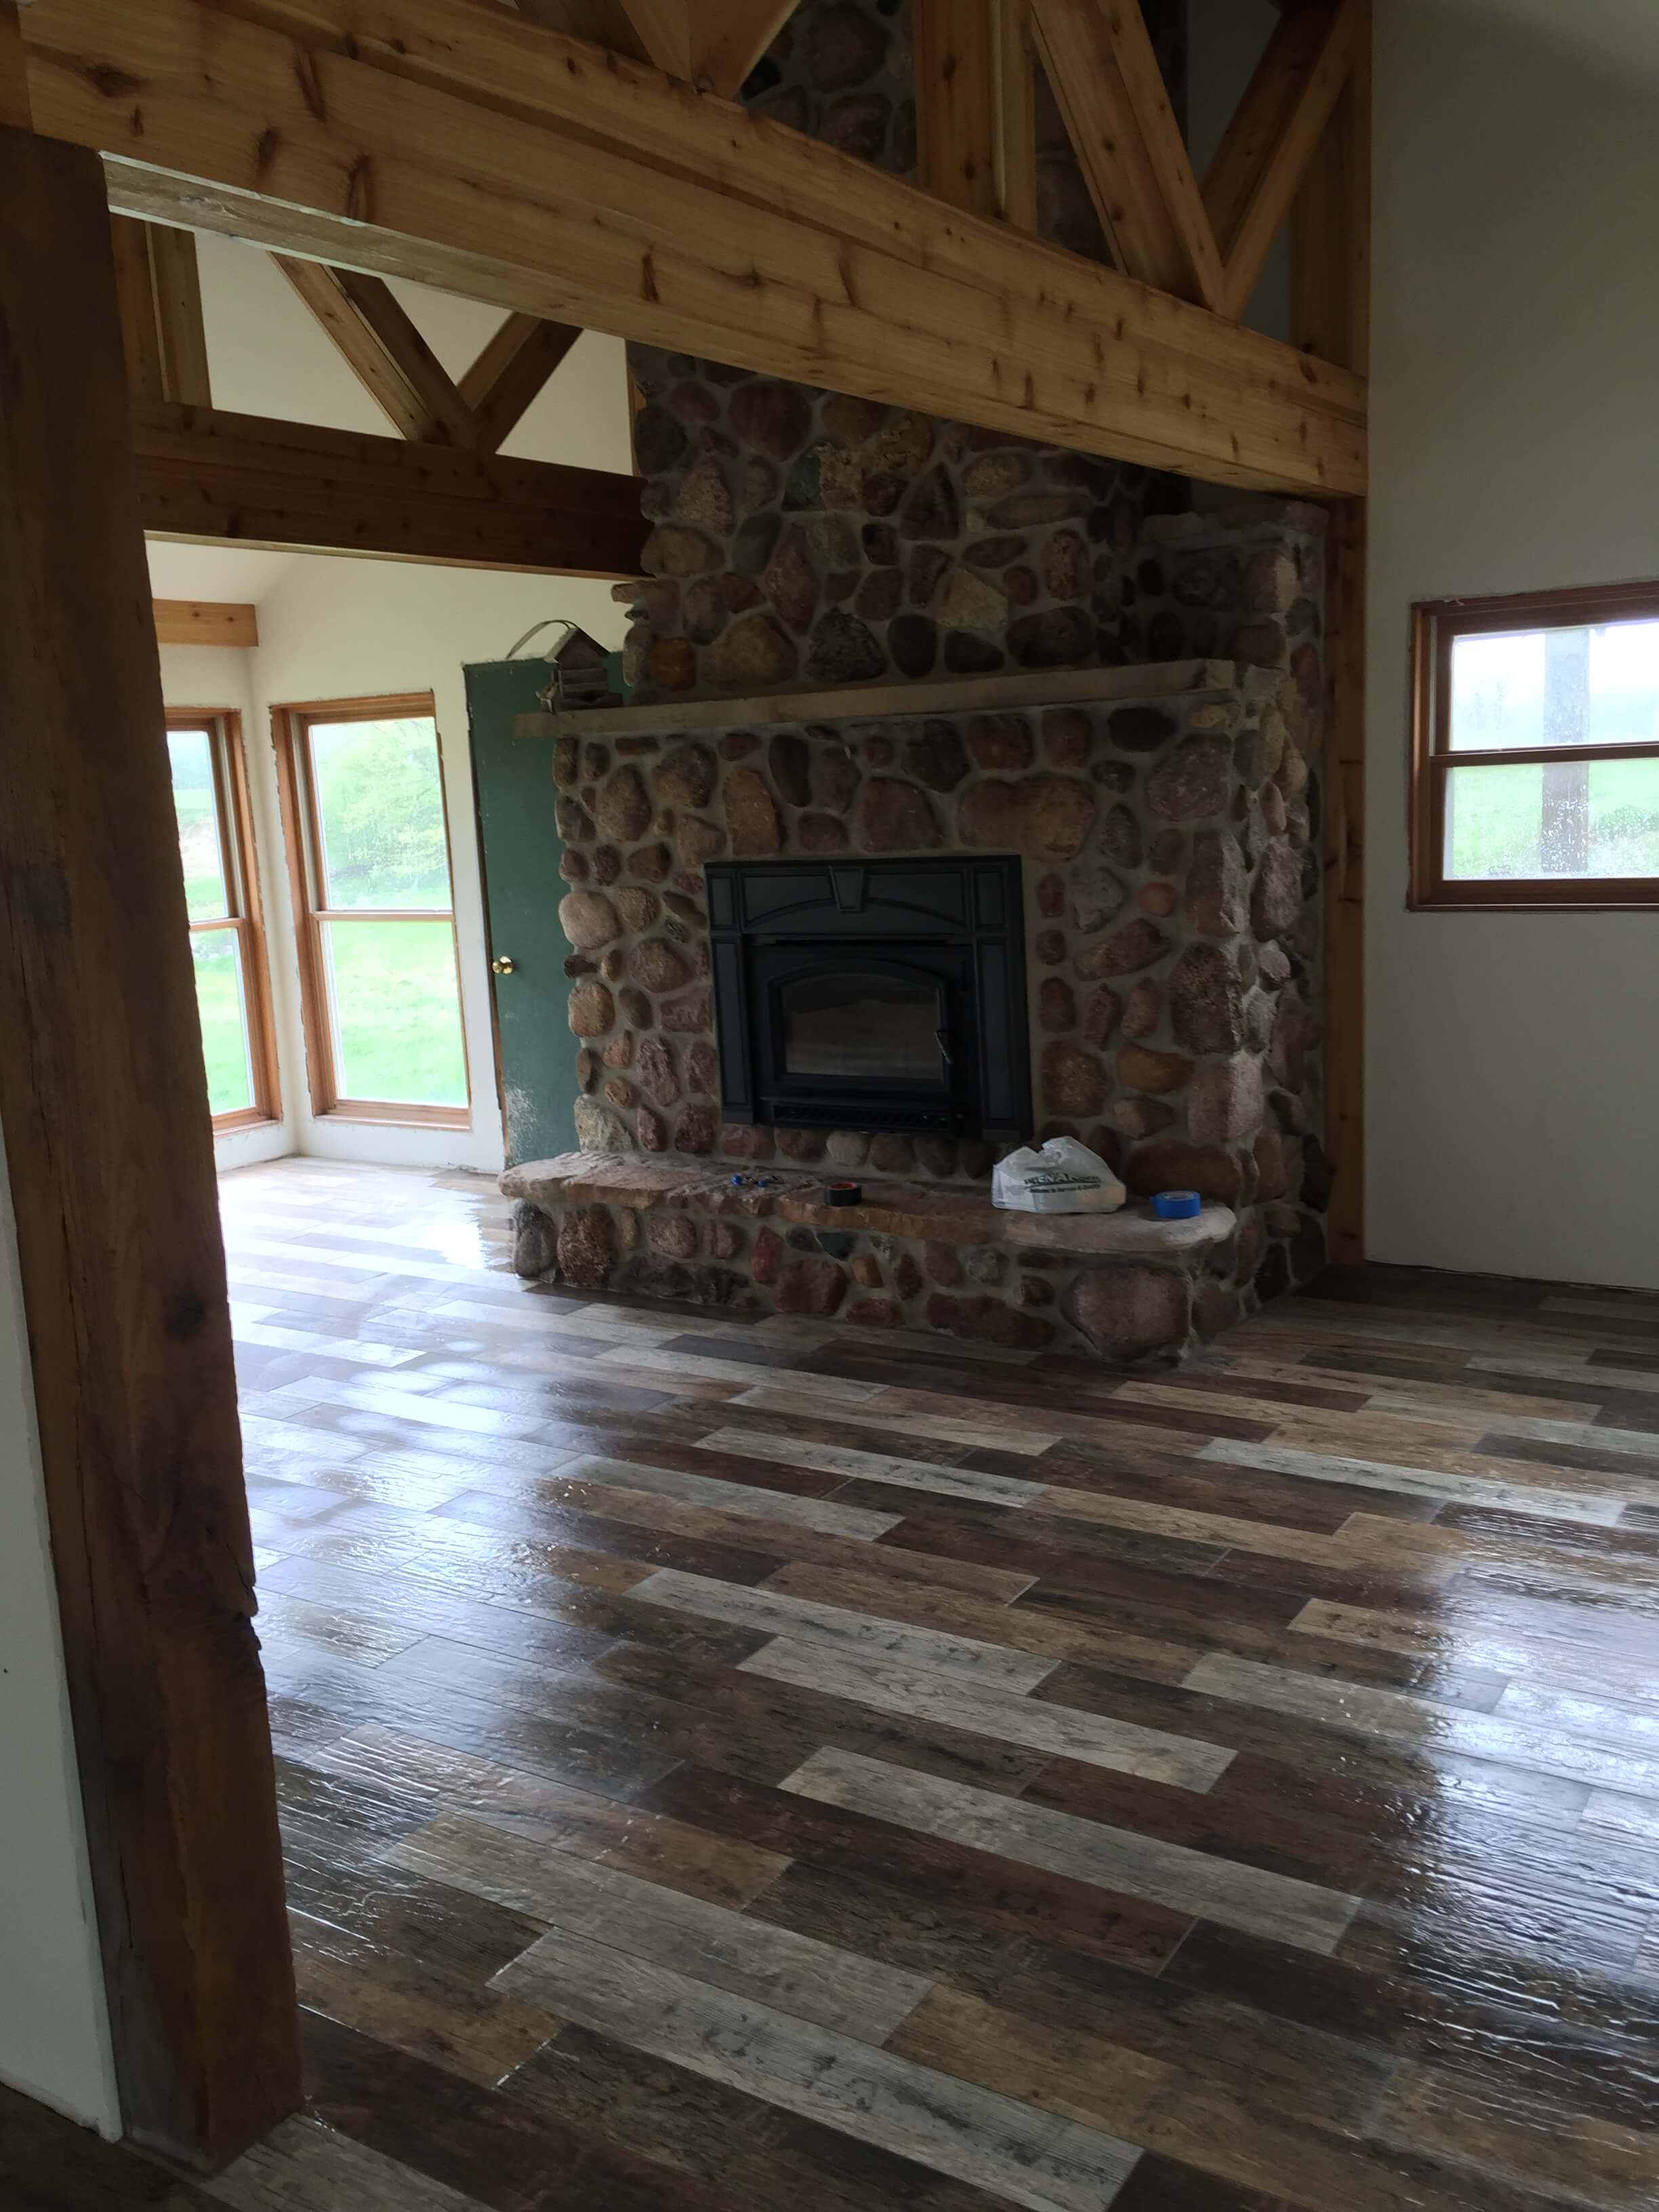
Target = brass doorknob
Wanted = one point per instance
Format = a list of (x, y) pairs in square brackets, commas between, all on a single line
[(501, 966)]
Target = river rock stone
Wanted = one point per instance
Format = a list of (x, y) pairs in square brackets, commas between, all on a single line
[(1276, 898), (1056, 1006), (844, 650), (659, 966), (598, 1130), (623, 809), (1073, 1082), (1130, 1313), (751, 817), (535, 1242), (1097, 897), (1047, 817), (675, 1235), (1135, 946), (592, 1010), (1217, 881), (704, 498), (896, 818), (1192, 781), (698, 1128), (935, 755), (691, 1011), (696, 841), (686, 776), (656, 1072), (811, 1286), (772, 417), (588, 918), (585, 1246), (1224, 1101), (1207, 1001), (990, 1322), (964, 601), (1101, 1017), (1144, 1070), (790, 583), (754, 653)]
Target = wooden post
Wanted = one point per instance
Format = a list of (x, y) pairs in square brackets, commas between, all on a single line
[(13, 74), (1331, 303), (104, 1103)]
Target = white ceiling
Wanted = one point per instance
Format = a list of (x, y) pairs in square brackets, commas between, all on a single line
[(1621, 34), (214, 571)]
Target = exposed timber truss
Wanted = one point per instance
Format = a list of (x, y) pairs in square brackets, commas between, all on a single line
[(459, 143), (441, 492)]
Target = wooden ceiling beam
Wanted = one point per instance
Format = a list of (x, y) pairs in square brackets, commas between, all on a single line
[(205, 621), (731, 36), (1015, 115), (1100, 61), (14, 111), (159, 292), (1270, 144), (383, 350), (510, 374), (507, 163), (713, 44), (209, 477), (957, 108)]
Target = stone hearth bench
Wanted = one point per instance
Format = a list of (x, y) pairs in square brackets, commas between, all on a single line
[(1122, 1287)]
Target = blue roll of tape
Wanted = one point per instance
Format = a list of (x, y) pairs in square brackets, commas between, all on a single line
[(1177, 1204)]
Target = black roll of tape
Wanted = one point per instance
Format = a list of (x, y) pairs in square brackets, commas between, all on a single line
[(843, 1194)]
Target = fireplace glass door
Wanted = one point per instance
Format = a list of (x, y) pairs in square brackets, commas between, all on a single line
[(864, 1027), (878, 1037)]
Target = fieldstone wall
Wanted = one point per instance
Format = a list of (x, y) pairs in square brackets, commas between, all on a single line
[(1168, 833), (803, 536)]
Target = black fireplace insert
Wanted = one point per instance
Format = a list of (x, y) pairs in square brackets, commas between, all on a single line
[(872, 994)]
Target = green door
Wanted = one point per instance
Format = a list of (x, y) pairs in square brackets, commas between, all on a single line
[(519, 850)]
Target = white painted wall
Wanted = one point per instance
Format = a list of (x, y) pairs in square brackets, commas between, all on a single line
[(336, 629), (54, 2026), (1514, 1059)]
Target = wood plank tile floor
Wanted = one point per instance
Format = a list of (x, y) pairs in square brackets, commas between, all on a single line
[(730, 1764)]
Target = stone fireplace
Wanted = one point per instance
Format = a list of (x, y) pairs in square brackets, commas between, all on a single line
[(881, 656)]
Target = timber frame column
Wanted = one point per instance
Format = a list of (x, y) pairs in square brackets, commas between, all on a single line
[(104, 1103), (1331, 278)]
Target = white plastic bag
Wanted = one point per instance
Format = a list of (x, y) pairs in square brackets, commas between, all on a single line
[(1063, 1177)]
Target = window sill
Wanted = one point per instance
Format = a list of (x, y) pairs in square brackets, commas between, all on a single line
[(1583, 897), (407, 1117), (244, 1117)]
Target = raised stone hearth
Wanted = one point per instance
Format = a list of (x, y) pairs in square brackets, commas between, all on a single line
[(1124, 1286)]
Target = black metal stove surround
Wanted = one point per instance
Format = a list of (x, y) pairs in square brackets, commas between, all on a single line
[(872, 994)]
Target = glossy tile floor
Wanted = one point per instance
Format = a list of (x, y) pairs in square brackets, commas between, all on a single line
[(739, 1766)]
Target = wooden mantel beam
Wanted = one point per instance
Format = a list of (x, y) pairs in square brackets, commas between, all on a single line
[(453, 142)]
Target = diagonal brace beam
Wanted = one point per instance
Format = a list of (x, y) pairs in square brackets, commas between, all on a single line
[(1269, 146)]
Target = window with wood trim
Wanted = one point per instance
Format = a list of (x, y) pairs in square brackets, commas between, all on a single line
[(227, 940), (1535, 750), (366, 829)]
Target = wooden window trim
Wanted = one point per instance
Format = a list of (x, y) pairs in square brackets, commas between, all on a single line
[(1436, 626), (246, 918), (302, 839)]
